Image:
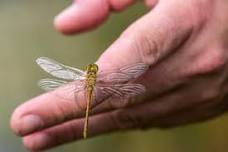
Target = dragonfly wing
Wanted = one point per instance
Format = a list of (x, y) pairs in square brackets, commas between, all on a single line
[(73, 91), (115, 77), (124, 74), (51, 84), (121, 90), (59, 70), (69, 91), (132, 89), (135, 70)]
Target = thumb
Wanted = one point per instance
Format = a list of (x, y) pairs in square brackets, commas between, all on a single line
[(150, 38), (83, 15)]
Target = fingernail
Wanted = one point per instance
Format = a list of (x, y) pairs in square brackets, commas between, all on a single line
[(30, 123)]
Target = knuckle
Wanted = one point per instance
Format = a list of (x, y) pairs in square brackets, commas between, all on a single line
[(148, 49), (61, 112), (79, 101), (144, 45), (205, 62), (212, 61), (152, 45), (65, 110)]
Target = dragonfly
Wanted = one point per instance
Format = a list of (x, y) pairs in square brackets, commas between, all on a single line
[(93, 82)]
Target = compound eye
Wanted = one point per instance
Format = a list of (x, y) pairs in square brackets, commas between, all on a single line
[(94, 68), (88, 67)]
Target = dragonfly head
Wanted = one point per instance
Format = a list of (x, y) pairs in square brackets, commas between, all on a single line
[(92, 68)]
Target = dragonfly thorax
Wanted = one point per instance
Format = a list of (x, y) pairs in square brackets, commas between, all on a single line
[(92, 68), (91, 71)]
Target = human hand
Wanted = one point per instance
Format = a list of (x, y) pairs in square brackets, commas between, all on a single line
[(185, 44)]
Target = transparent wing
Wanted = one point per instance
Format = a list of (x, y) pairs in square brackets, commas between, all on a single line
[(124, 74), (121, 90), (59, 70), (68, 91), (51, 84)]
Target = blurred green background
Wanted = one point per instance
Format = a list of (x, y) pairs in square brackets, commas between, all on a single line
[(26, 32)]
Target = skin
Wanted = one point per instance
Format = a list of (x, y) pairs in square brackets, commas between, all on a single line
[(185, 44)]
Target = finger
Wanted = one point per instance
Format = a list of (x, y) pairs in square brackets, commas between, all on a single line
[(50, 109), (72, 130), (68, 132), (170, 101), (151, 3), (47, 110), (119, 5), (86, 14), (82, 15), (151, 38), (199, 113), (137, 116)]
